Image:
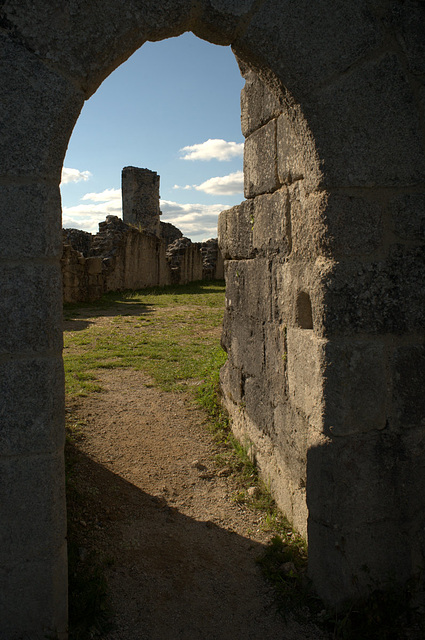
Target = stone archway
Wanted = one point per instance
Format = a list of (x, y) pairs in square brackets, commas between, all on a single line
[(325, 314)]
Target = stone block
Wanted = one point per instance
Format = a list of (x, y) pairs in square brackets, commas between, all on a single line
[(33, 517), (351, 120), (354, 482), (275, 359), (258, 407), (32, 406), (36, 606), (40, 108), (305, 374), (231, 383), (248, 288), (305, 43), (94, 265), (271, 223), (354, 225), (259, 104), (218, 21), (354, 387), (408, 367), (408, 214), (235, 231), (347, 565), (297, 157), (245, 346), (379, 297), (30, 308), (110, 34), (407, 19), (307, 223), (31, 221), (260, 161)]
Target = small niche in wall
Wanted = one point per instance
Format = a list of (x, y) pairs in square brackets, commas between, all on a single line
[(304, 316)]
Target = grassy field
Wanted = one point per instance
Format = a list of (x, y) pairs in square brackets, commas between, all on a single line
[(170, 333)]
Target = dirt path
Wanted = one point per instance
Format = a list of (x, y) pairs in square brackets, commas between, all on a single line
[(184, 551)]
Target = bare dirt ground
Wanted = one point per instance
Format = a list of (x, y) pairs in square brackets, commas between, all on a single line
[(184, 552)]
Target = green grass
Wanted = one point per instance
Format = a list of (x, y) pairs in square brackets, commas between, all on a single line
[(169, 333)]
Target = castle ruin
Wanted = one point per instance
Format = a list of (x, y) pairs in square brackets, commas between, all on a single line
[(325, 273), (136, 252)]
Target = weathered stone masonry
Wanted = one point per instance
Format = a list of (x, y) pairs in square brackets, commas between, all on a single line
[(139, 251), (325, 274), (122, 257)]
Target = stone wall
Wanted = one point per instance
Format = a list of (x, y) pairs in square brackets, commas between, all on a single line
[(122, 257), (324, 308), (140, 199), (325, 273)]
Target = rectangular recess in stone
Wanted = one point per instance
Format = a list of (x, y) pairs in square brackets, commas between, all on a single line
[(365, 120), (305, 374), (39, 111), (32, 406), (35, 605), (32, 498), (353, 225), (271, 224), (30, 308), (235, 231), (248, 288), (409, 386), (354, 387), (408, 213), (378, 297), (31, 221), (260, 161), (258, 103)]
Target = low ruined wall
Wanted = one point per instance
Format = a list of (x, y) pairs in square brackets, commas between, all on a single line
[(122, 257)]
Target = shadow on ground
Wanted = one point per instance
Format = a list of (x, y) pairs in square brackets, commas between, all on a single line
[(171, 576)]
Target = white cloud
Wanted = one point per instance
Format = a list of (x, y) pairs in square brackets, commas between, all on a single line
[(103, 196), (223, 185), (197, 221), (88, 216), (228, 185), (186, 187), (213, 149), (74, 175)]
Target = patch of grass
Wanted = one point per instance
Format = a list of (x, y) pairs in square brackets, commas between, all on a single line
[(170, 334)]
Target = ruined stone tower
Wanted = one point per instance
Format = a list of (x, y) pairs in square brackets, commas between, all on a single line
[(140, 198)]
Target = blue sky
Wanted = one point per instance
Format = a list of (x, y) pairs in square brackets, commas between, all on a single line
[(174, 108)]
